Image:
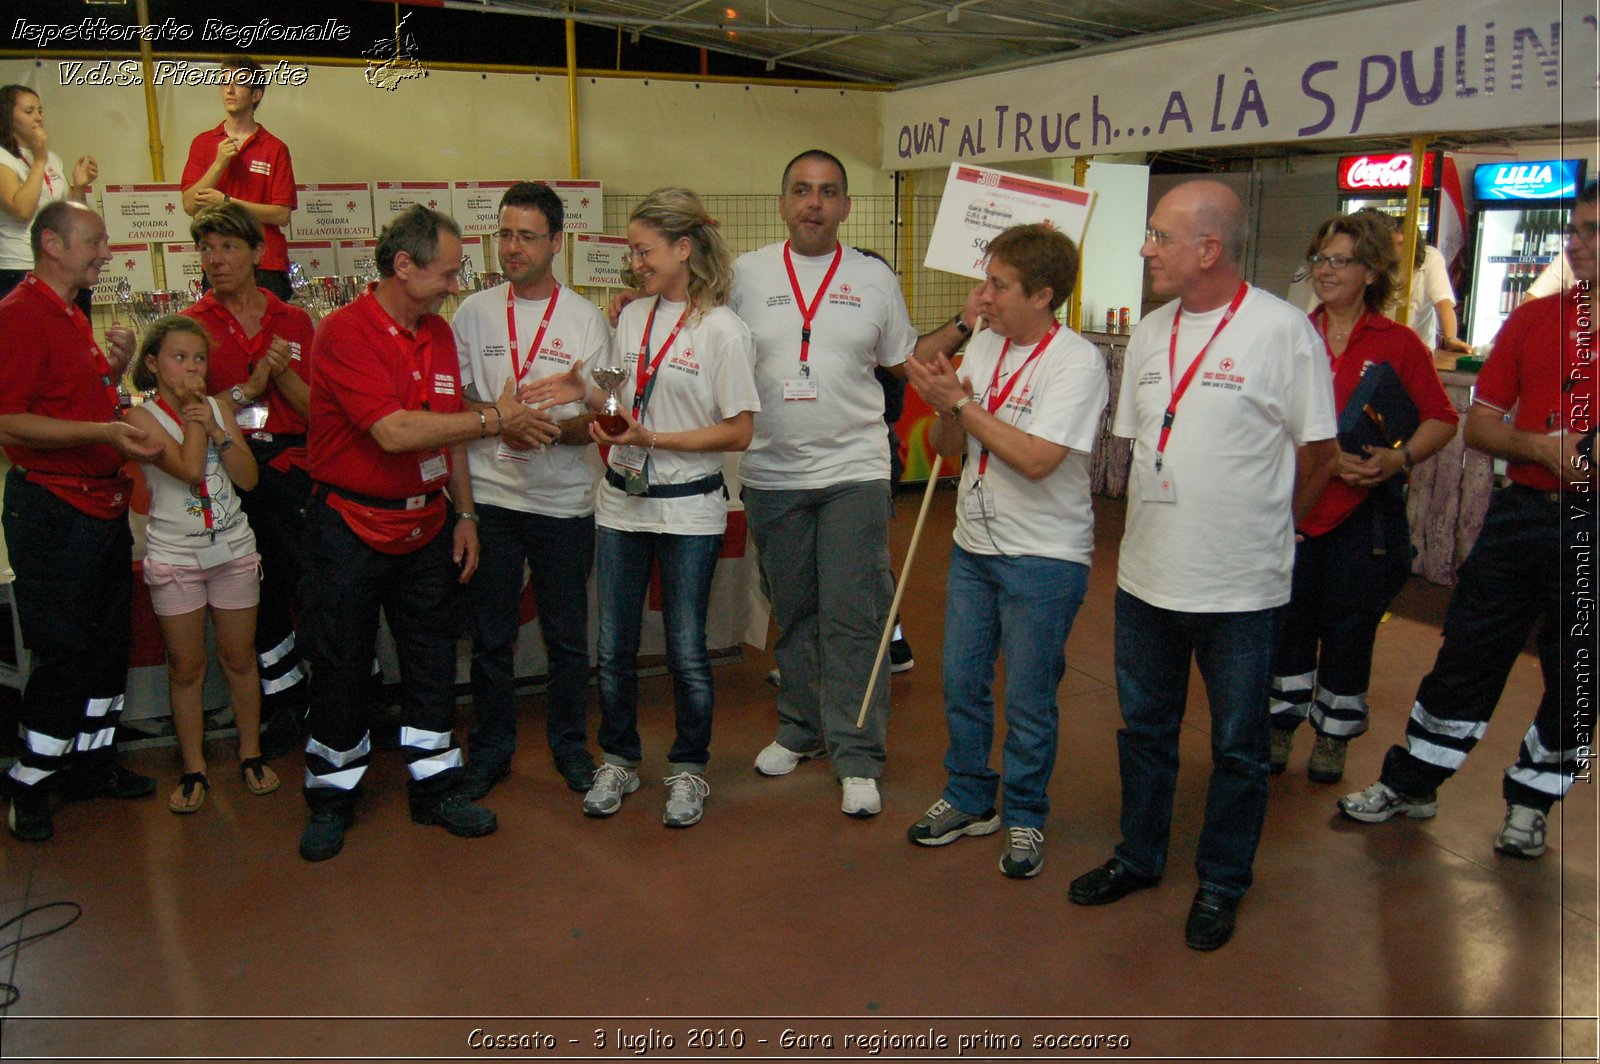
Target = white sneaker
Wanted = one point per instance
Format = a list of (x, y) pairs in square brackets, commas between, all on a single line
[(860, 797), (686, 799), (778, 760), (611, 783), (1523, 833)]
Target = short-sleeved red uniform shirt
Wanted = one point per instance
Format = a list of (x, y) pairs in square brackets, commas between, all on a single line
[(260, 173)]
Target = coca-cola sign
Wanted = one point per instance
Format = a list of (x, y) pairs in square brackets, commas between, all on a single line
[(1370, 173)]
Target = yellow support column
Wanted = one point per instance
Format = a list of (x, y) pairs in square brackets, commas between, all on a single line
[(572, 101), (158, 166), (1408, 248), (1080, 171), (908, 288)]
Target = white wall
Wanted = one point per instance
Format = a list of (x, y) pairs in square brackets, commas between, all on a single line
[(635, 134)]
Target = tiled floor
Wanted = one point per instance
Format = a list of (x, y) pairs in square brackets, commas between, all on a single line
[(208, 936)]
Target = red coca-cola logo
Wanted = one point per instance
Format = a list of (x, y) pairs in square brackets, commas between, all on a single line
[(1359, 173)]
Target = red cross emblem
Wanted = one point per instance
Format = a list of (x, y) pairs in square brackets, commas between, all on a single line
[(1227, 365)]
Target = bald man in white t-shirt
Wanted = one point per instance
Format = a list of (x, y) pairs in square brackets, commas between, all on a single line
[(1227, 396)]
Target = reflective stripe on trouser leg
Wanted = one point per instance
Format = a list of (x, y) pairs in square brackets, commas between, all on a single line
[(1289, 698), (99, 727), (41, 756), (1541, 769), (429, 753), (337, 770), (1344, 716), (1439, 741), (280, 667)]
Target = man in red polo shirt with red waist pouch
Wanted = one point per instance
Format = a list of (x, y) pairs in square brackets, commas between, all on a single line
[(66, 522), (387, 426), (1534, 407)]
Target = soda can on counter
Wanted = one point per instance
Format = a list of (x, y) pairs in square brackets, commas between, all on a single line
[(1125, 320), (1111, 319)]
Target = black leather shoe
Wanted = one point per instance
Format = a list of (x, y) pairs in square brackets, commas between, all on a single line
[(324, 832), (1210, 921), (578, 772), (1110, 882), (480, 777)]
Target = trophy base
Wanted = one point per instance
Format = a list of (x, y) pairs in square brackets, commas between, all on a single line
[(611, 424)]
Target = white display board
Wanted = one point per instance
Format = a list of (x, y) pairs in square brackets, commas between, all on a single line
[(598, 259), (145, 214), (181, 264), (391, 197), (333, 212), (979, 203), (316, 257), (475, 205), (131, 262)]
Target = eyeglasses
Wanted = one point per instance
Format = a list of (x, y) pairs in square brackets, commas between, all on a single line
[(1338, 262), (521, 238), (1158, 238), (1582, 231), (640, 254)]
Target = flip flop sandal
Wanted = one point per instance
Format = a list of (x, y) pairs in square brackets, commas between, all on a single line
[(183, 799), (258, 778)]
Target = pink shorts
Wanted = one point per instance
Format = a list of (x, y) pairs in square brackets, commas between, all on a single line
[(179, 589)]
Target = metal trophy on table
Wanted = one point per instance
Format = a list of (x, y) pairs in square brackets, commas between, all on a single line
[(610, 418)]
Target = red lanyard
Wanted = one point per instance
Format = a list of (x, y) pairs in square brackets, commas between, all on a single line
[(992, 405), (538, 337), (101, 366), (1188, 376), (202, 490), (251, 346), (808, 311), (647, 376)]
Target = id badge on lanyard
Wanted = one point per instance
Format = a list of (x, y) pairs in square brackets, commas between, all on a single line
[(803, 388)]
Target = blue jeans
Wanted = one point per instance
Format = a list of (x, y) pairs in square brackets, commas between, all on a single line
[(623, 561), (1025, 607), (559, 552), (1234, 652)]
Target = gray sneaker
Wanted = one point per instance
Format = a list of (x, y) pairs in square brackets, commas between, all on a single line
[(1024, 856), (686, 799), (1379, 803), (1282, 744), (943, 823), (611, 783), (1327, 759)]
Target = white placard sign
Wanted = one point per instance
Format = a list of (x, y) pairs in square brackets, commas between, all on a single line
[(475, 205), (315, 257), (392, 197), (333, 212), (145, 214), (181, 262), (475, 249), (356, 258), (979, 203), (583, 204), (132, 262), (598, 259)]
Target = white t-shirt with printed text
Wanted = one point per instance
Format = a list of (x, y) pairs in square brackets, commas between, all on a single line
[(705, 378), (1227, 543), (861, 323), (558, 480), (1059, 398), (16, 252)]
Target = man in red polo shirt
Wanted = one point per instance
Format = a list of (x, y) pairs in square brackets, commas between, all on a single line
[(260, 361), (1533, 407), (66, 521), (386, 443), (241, 162)]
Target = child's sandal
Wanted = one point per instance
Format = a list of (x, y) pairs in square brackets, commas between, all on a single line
[(190, 794), (258, 777)]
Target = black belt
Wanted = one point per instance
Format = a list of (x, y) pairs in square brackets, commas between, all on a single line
[(1551, 497), (414, 502), (703, 486)]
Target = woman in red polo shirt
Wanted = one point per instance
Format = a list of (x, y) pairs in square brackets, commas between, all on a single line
[(1353, 549)]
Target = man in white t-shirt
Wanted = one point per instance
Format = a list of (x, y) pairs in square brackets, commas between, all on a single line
[(1227, 396), (535, 506), (816, 476)]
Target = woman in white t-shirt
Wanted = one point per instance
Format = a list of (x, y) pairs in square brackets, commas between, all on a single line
[(1025, 410), (31, 178), (688, 396)]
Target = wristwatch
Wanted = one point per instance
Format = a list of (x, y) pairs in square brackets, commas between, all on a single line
[(236, 393), (467, 515), (960, 405)]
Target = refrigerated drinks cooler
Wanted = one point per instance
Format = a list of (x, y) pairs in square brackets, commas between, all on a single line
[(1382, 181), (1521, 227)]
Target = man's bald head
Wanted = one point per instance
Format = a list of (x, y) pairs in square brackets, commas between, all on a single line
[(1213, 209)]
